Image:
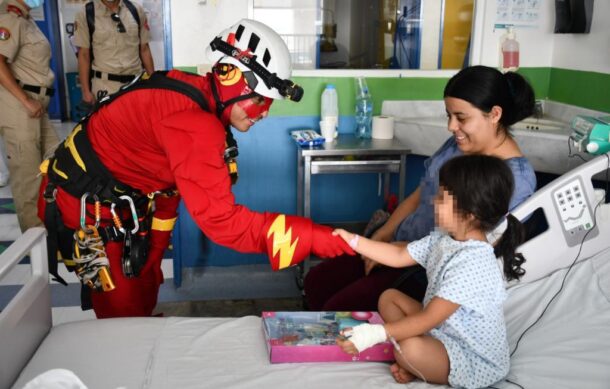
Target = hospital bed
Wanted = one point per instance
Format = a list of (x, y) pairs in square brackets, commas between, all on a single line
[(566, 282)]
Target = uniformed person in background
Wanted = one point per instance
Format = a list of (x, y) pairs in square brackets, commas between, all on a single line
[(25, 91), (112, 38)]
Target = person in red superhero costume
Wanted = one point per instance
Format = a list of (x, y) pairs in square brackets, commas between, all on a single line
[(153, 139)]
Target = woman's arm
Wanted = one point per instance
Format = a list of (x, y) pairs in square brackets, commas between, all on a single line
[(386, 232), (7, 80)]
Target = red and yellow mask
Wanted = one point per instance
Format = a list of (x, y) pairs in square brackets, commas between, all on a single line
[(234, 87)]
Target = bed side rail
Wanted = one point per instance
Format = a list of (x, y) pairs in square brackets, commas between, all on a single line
[(558, 246), (26, 320)]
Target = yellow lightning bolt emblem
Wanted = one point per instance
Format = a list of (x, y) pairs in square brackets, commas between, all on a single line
[(282, 240)]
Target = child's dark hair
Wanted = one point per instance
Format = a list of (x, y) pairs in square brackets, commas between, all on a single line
[(482, 186), (486, 87)]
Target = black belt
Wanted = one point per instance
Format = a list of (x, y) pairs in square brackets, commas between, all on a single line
[(114, 77), (36, 89)]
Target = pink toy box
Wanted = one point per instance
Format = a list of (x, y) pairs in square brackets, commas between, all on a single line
[(310, 337)]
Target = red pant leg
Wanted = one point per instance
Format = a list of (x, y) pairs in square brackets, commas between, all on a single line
[(132, 296), (138, 296)]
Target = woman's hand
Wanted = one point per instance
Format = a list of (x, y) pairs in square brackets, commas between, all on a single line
[(369, 264), (34, 108), (381, 235)]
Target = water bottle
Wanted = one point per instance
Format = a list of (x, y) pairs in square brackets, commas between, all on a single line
[(330, 105), (364, 110)]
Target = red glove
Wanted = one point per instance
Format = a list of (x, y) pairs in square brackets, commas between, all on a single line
[(325, 245), (290, 239)]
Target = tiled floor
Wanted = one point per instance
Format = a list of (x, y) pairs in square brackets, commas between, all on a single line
[(189, 300), (229, 308)]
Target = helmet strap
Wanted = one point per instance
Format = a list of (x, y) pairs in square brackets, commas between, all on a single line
[(222, 105), (230, 152), (285, 88)]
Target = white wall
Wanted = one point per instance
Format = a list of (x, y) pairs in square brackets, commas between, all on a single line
[(535, 44), (540, 47), (430, 38), (196, 22), (591, 51)]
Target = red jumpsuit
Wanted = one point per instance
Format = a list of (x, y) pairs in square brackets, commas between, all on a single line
[(158, 139)]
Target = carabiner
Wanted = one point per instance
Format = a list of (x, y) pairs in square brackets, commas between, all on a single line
[(116, 219), (83, 212), (134, 215)]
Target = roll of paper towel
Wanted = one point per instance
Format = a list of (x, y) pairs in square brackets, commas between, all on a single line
[(383, 127)]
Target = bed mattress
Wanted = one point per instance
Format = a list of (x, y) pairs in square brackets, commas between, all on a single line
[(567, 348)]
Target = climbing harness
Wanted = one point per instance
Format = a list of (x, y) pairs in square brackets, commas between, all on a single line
[(76, 169)]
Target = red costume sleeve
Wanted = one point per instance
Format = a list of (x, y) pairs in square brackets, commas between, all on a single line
[(194, 142)]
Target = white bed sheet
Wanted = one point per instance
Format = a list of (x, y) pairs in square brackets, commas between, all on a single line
[(185, 353), (568, 348)]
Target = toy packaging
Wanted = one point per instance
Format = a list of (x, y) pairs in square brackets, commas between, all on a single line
[(311, 337), (307, 138)]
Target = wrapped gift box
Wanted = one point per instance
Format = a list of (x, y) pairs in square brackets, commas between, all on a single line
[(310, 337)]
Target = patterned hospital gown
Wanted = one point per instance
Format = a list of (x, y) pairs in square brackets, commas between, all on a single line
[(467, 273)]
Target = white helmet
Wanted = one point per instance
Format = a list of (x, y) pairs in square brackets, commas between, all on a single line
[(253, 46)]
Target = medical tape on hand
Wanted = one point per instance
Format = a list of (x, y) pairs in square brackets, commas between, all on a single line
[(364, 336)]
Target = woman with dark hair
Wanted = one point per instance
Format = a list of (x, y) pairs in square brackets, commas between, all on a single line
[(481, 103), (458, 335)]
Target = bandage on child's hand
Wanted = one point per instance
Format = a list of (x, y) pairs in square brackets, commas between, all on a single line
[(364, 336)]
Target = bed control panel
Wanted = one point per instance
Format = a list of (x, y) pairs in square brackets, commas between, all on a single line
[(575, 212)]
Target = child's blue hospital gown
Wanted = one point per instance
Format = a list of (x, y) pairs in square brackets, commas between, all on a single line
[(467, 273)]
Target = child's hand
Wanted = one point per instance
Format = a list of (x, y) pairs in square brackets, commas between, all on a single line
[(348, 237), (362, 337), (347, 346), (345, 235)]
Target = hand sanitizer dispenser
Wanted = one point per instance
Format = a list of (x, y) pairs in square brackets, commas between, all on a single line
[(510, 51)]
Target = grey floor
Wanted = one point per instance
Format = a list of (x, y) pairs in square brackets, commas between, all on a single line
[(228, 308)]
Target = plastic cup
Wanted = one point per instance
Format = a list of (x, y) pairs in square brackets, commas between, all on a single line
[(328, 130)]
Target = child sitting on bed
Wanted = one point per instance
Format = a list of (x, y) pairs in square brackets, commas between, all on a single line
[(458, 335)]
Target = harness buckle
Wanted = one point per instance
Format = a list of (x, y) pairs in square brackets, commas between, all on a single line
[(50, 193)]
